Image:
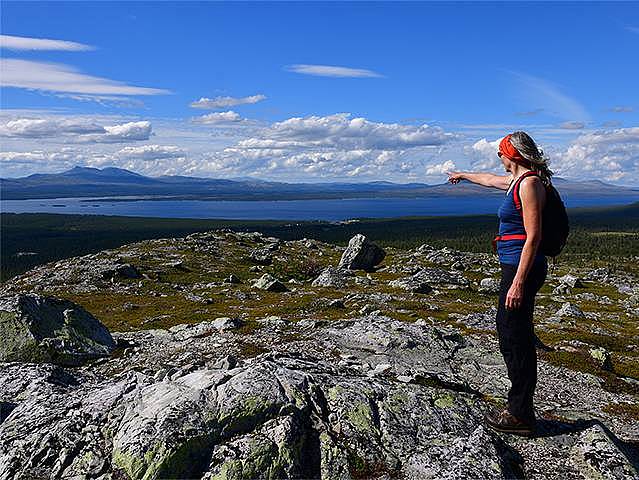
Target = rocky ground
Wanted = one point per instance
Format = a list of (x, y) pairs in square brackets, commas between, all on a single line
[(234, 355)]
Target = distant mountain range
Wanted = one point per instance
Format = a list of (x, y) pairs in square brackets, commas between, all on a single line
[(117, 182)]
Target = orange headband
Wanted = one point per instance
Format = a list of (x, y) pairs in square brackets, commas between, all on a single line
[(507, 150)]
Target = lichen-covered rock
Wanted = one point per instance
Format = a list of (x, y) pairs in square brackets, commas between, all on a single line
[(569, 310), (332, 277), (596, 456), (38, 329), (437, 276), (411, 284), (489, 285), (361, 254), (571, 281), (602, 357), (270, 283)]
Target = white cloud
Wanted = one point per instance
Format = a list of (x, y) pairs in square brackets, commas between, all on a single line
[(47, 127), (12, 42), (610, 155), (126, 132), (151, 152), (340, 131), (218, 118), (332, 71), (335, 146), (441, 168), (76, 130), (225, 102), (53, 77), (484, 154)]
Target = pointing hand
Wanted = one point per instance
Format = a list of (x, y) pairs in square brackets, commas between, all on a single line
[(454, 177)]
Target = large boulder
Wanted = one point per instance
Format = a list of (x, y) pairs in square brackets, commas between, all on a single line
[(361, 254), (38, 329)]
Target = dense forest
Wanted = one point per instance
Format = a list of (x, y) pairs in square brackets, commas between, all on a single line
[(31, 239)]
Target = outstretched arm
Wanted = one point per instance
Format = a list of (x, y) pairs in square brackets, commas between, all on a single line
[(485, 179)]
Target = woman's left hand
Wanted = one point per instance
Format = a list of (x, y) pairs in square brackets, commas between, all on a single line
[(514, 296)]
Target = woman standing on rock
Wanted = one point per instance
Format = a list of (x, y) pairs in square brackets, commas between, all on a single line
[(523, 269)]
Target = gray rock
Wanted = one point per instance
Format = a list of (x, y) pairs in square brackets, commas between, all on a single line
[(37, 329), (570, 310), (262, 256), (596, 456), (571, 281), (270, 283), (226, 323), (332, 277), (361, 254), (489, 285), (436, 276), (233, 279), (411, 284), (120, 271)]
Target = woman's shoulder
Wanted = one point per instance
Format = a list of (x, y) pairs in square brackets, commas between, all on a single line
[(532, 186)]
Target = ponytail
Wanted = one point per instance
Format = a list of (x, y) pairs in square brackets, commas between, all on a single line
[(538, 160)]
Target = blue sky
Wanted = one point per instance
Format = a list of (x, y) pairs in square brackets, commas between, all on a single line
[(318, 91)]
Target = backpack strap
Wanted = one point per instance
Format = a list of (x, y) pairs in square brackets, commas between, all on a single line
[(516, 197)]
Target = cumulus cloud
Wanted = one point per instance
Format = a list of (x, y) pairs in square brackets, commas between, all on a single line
[(484, 154), (335, 146), (54, 77), (40, 127), (332, 71), (125, 132), (611, 155), (152, 152), (12, 42), (225, 102), (340, 131), (218, 118), (76, 130), (441, 168), (14, 164)]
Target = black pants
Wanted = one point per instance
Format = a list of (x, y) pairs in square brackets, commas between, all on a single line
[(517, 339)]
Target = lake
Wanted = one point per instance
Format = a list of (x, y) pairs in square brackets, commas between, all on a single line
[(329, 210)]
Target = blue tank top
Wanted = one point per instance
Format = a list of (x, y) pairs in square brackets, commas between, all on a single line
[(511, 222)]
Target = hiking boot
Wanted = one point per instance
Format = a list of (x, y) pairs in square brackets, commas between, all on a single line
[(504, 421)]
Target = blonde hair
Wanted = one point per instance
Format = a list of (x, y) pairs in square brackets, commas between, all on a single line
[(535, 155)]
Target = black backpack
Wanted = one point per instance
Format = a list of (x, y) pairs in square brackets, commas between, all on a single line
[(554, 221)]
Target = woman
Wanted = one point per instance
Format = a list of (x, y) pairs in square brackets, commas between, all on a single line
[(523, 269)]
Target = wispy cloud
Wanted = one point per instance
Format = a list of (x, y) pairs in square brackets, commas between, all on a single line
[(225, 102), (633, 29), (572, 125), (53, 77), (530, 113), (550, 97), (332, 71), (12, 42), (622, 109)]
